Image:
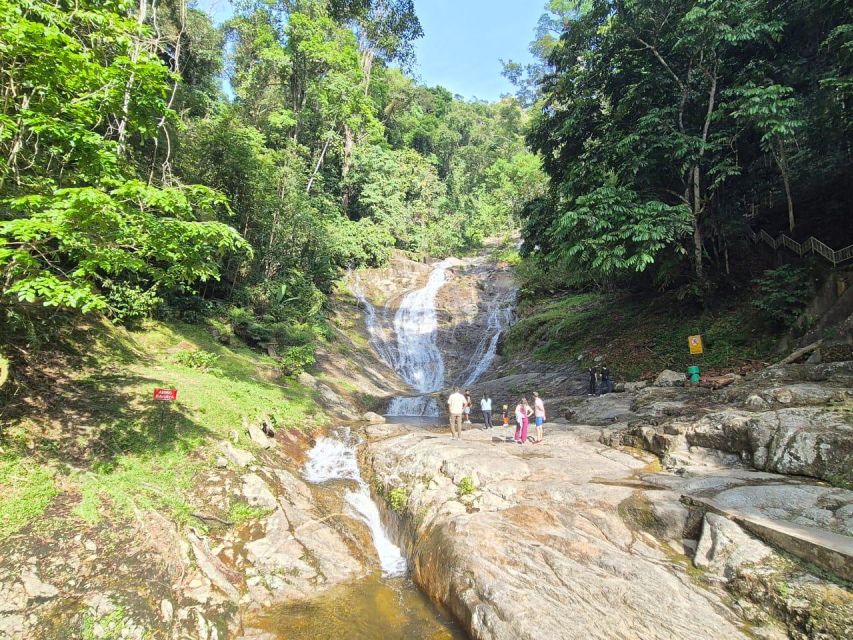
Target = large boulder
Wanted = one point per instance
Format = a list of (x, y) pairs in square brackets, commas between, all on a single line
[(544, 529), (669, 378), (372, 418), (724, 547)]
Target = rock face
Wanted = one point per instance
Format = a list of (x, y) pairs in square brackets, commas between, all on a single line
[(806, 441), (501, 533), (724, 547)]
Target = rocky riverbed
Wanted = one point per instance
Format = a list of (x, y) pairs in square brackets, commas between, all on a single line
[(661, 512)]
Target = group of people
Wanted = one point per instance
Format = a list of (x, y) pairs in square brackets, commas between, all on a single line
[(459, 406), (599, 381)]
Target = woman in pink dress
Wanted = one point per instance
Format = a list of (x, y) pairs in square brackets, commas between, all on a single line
[(523, 411)]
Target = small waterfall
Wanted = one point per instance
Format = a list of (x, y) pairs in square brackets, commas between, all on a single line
[(335, 459), (498, 318), (378, 339)]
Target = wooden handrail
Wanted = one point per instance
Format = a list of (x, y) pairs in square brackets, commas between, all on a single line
[(812, 245)]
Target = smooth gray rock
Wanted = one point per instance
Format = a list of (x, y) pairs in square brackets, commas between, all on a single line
[(36, 589), (373, 418), (257, 435), (236, 456), (544, 530), (724, 546), (257, 493)]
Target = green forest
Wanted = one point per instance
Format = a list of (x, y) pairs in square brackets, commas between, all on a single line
[(641, 144), (667, 129), (133, 185)]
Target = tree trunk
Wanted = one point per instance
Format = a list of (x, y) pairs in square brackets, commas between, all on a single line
[(128, 88), (346, 163), (317, 167), (782, 161), (697, 233)]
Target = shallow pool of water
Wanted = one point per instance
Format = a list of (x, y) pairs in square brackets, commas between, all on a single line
[(418, 421), (375, 608)]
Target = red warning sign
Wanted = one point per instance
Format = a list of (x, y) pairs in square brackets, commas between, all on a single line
[(165, 395)]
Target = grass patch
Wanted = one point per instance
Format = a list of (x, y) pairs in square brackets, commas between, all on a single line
[(637, 337), (132, 453), (26, 489), (466, 486), (398, 497)]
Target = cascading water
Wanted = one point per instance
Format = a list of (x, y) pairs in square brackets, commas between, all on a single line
[(378, 339), (335, 459), (499, 316), (416, 358)]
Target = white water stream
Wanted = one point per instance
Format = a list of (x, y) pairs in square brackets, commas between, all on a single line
[(498, 318), (334, 458)]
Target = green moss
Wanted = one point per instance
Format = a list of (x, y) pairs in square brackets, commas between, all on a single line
[(243, 512), (108, 627)]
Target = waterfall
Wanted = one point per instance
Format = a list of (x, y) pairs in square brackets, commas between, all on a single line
[(418, 360), (499, 316), (335, 459), (416, 356)]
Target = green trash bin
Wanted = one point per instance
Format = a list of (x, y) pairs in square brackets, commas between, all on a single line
[(693, 372)]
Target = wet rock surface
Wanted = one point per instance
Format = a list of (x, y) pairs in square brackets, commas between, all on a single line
[(545, 528)]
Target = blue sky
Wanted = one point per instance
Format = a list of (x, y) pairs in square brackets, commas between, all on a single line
[(463, 41)]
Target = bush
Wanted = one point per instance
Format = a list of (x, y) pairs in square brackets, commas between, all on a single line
[(295, 359), (287, 334), (200, 360), (128, 304), (245, 326), (466, 486), (783, 293), (192, 309), (397, 498)]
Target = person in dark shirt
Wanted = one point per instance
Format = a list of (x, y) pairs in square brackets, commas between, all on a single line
[(605, 380)]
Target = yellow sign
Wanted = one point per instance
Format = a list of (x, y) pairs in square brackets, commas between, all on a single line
[(695, 343)]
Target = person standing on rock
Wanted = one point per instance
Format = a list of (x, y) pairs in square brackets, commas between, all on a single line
[(605, 380), (468, 404), (522, 420), (486, 408), (539, 413), (455, 406), (505, 415), (592, 376)]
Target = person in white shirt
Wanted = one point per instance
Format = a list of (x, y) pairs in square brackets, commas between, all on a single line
[(455, 405), (539, 413), (486, 408)]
